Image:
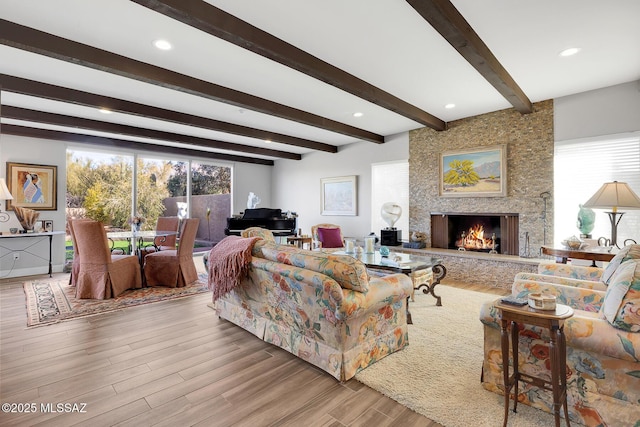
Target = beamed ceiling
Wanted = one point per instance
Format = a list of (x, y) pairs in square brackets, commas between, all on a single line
[(256, 81)]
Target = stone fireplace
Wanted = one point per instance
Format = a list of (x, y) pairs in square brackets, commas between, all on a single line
[(480, 232)]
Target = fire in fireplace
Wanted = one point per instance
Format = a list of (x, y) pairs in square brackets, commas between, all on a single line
[(474, 239), (479, 230)]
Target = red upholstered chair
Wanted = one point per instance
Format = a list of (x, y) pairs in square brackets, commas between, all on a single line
[(174, 268), (102, 275), (330, 235)]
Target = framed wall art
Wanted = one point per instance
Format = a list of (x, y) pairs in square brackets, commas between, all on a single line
[(480, 172), (32, 186), (339, 195)]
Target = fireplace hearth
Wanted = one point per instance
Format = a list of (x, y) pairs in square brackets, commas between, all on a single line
[(483, 232)]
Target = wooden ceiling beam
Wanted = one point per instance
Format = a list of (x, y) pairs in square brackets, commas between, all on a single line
[(32, 40), (447, 20), (216, 22), (116, 143), (18, 113), (73, 96)]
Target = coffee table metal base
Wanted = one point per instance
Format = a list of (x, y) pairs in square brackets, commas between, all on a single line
[(439, 271)]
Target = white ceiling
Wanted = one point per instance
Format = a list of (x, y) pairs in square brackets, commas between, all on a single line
[(384, 42)]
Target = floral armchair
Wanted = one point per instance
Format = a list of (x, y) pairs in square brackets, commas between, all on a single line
[(603, 341)]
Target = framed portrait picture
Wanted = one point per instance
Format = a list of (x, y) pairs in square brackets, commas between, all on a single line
[(480, 172), (339, 195), (32, 186)]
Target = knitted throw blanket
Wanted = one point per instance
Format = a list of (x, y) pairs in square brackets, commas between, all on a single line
[(229, 263)]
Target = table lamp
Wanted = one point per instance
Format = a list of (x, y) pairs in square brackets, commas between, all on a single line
[(4, 195), (614, 195)]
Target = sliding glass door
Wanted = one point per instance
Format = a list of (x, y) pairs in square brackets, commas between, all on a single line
[(102, 187)]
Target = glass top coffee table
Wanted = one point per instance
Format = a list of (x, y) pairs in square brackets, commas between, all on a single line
[(407, 264)]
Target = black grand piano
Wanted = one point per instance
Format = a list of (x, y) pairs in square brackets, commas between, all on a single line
[(271, 219)]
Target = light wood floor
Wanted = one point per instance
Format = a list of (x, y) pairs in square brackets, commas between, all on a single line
[(171, 363)]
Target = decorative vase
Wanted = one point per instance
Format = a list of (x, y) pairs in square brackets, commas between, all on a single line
[(586, 221), (27, 217)]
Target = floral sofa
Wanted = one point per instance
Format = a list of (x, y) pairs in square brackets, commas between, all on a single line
[(321, 307), (603, 340)]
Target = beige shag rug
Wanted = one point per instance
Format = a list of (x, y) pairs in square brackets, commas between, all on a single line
[(438, 374)]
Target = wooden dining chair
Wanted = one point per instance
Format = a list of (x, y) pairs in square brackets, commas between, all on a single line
[(102, 275), (174, 268)]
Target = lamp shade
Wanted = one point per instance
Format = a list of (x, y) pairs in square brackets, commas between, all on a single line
[(4, 191), (614, 195)]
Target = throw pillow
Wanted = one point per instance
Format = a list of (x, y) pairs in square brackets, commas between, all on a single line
[(622, 301), (330, 237), (627, 253)]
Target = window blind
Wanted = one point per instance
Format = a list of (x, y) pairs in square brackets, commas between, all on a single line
[(581, 167)]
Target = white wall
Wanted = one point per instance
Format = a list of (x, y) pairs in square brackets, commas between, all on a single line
[(41, 152), (606, 111), (296, 183), (251, 178)]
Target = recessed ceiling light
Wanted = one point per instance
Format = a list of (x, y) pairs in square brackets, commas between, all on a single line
[(358, 114), (570, 51), (267, 141), (105, 111), (162, 44), (450, 106)]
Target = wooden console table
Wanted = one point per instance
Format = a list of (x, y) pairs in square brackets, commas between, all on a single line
[(562, 254), (29, 245)]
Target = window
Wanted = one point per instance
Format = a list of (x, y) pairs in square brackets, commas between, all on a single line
[(581, 167), (100, 186), (390, 183)]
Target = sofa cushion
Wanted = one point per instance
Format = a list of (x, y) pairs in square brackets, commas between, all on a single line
[(347, 271), (627, 253), (330, 237), (621, 305)]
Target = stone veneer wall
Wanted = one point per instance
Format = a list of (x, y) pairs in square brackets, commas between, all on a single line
[(530, 145)]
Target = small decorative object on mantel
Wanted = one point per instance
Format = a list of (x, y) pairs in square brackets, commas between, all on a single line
[(417, 241), (27, 218), (391, 213)]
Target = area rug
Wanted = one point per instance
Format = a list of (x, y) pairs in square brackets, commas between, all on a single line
[(438, 374), (52, 301)]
